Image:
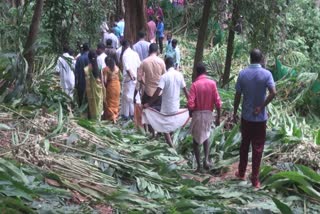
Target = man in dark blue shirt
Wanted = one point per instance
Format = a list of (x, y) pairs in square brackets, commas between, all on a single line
[(253, 83), (81, 63)]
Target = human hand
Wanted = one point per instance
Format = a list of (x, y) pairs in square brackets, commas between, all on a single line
[(257, 110), (146, 105), (217, 123)]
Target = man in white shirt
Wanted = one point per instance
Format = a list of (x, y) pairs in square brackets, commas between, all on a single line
[(113, 37), (142, 46), (170, 84), (101, 56), (65, 67), (131, 62)]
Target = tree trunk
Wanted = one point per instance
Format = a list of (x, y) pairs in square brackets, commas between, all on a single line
[(135, 19), (227, 68), (202, 35), (31, 39)]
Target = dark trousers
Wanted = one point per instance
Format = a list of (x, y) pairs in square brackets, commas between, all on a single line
[(160, 43), (253, 133)]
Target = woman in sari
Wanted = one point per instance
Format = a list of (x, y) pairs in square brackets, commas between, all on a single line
[(94, 87), (111, 82)]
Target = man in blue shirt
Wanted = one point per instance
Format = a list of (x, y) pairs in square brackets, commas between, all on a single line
[(160, 33), (81, 63), (252, 83)]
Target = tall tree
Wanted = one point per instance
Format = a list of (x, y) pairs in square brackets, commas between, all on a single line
[(231, 35), (135, 19), (202, 35), (32, 37)]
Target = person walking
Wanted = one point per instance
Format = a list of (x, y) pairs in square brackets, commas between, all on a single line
[(81, 63), (65, 67), (160, 33), (203, 98), (252, 83), (152, 28)]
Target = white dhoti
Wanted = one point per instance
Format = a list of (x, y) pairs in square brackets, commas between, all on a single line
[(127, 106), (201, 125), (165, 123)]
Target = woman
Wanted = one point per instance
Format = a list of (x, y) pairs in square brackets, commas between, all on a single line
[(111, 82), (94, 87)]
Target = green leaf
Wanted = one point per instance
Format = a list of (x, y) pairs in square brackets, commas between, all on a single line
[(4, 127), (284, 209)]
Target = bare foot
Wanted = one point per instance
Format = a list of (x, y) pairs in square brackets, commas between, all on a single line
[(207, 164)]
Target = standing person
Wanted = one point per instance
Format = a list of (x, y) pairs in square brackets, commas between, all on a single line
[(169, 43), (101, 56), (111, 81), (142, 46), (203, 97), (252, 84), (81, 63), (152, 28), (110, 51), (121, 25), (158, 11), (170, 85), (174, 52), (116, 30), (113, 37), (65, 67), (160, 33), (130, 62), (94, 89)]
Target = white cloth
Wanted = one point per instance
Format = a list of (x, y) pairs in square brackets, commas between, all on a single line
[(201, 125), (142, 48), (118, 53), (121, 25), (165, 123), (178, 57), (65, 67), (130, 61), (113, 37), (171, 84), (101, 61)]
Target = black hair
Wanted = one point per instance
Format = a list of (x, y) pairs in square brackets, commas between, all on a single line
[(141, 34), (256, 56), (101, 45), (109, 42), (169, 62), (65, 49), (71, 52), (201, 68), (110, 63), (85, 47), (93, 61), (150, 18), (174, 41), (153, 48)]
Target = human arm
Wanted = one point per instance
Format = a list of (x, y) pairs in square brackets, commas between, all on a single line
[(130, 74), (153, 98), (178, 57)]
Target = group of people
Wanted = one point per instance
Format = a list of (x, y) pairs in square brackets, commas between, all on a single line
[(157, 84)]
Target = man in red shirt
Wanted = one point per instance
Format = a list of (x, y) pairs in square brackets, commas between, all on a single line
[(203, 97)]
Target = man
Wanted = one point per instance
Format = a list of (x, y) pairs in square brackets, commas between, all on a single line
[(113, 37), (110, 51), (170, 85), (81, 63), (65, 67), (101, 56), (152, 28), (252, 84), (151, 70), (174, 52), (116, 30), (169, 43), (160, 33), (203, 97), (121, 25), (131, 62), (142, 46)]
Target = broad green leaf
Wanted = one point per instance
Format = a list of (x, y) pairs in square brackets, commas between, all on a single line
[(284, 209)]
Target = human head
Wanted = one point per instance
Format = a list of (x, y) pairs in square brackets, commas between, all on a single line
[(85, 47), (159, 18), (169, 36), (201, 68), (110, 63), (141, 34), (93, 61), (65, 49), (125, 44), (150, 18), (109, 42), (100, 48), (174, 43), (153, 48), (169, 62), (256, 56)]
